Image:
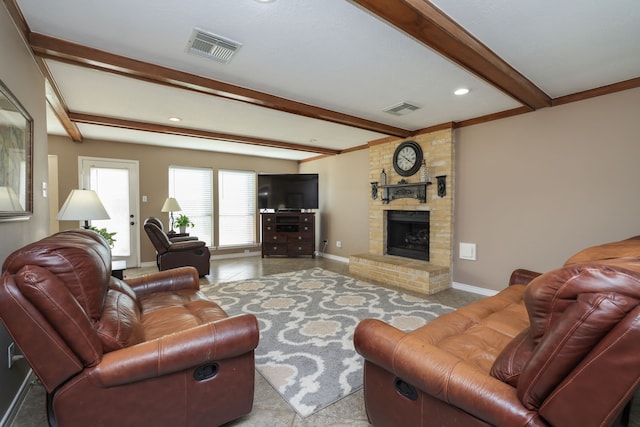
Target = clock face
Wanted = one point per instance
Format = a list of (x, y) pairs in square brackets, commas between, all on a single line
[(407, 158)]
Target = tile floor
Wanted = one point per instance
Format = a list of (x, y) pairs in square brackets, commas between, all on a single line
[(269, 409)]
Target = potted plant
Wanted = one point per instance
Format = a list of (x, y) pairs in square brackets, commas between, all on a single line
[(182, 222), (104, 233)]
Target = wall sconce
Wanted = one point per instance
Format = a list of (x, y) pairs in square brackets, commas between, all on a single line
[(82, 205), (442, 185), (171, 205), (374, 190)]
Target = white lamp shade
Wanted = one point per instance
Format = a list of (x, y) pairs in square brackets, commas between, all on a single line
[(82, 205), (9, 200), (170, 205)]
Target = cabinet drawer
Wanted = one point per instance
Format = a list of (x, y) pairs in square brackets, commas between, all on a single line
[(274, 248), (300, 248), (274, 237), (305, 228), (307, 218), (300, 237)]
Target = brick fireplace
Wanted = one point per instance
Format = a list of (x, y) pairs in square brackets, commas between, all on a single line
[(426, 276)]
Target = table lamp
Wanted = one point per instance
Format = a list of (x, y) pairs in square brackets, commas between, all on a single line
[(82, 205), (171, 205)]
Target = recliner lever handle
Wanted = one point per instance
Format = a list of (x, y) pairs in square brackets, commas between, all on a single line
[(205, 372), (406, 389)]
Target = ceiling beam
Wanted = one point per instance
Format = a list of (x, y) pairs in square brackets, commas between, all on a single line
[(54, 98), (197, 133), (50, 47), (430, 26)]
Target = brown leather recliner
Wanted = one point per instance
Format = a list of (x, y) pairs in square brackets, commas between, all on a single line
[(561, 350), (157, 222), (178, 254), (151, 351)]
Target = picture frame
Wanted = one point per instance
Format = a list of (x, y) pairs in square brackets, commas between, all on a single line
[(16, 158)]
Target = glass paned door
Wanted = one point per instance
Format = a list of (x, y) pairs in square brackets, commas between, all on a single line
[(116, 183)]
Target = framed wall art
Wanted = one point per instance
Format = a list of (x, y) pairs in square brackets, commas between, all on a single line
[(16, 158)]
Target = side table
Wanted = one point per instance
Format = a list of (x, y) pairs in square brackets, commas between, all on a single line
[(117, 268)]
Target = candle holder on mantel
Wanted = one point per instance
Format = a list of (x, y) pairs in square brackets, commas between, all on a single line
[(442, 185)]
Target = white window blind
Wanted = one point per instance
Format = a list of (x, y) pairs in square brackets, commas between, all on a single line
[(237, 203), (193, 189)]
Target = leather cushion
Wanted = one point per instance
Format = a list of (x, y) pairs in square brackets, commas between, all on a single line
[(56, 303), (81, 259), (624, 248), (165, 313), (120, 325), (580, 327), (512, 360)]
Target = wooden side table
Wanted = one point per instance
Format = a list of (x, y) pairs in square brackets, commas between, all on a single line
[(117, 268)]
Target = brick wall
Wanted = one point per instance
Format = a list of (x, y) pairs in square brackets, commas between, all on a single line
[(438, 153)]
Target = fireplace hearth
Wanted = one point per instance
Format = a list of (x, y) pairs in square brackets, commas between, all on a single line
[(408, 234)]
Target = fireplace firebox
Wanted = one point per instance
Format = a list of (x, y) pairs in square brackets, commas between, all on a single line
[(408, 234)]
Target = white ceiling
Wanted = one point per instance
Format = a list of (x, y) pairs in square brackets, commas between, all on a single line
[(327, 53)]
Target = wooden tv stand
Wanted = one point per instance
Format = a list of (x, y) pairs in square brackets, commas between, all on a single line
[(288, 234)]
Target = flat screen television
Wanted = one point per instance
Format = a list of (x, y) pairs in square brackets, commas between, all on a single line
[(288, 191)]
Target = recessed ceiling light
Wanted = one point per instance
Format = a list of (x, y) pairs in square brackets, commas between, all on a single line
[(175, 119), (461, 91), (265, 1)]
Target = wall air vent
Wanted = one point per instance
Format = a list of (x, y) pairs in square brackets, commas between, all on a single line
[(401, 109), (211, 46)]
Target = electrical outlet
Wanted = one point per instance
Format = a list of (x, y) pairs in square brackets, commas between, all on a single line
[(338, 244)]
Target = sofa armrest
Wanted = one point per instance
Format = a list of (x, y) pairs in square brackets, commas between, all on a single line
[(188, 245), (215, 341), (440, 374), (165, 281), (522, 277)]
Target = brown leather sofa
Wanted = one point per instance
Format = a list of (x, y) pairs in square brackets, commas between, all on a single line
[(178, 254), (557, 349), (151, 351)]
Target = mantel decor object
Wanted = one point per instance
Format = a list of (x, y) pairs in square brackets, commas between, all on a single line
[(407, 158), (16, 158), (442, 185)]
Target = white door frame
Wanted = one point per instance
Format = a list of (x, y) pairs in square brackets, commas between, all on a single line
[(84, 164)]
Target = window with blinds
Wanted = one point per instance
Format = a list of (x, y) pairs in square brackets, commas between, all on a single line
[(237, 207), (193, 189)]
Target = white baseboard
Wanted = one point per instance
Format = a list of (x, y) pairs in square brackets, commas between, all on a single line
[(147, 264), (473, 289), (333, 257), (237, 255)]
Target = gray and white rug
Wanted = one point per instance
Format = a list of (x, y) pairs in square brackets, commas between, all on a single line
[(307, 319)]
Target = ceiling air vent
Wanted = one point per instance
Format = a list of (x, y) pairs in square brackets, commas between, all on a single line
[(211, 46), (401, 109)]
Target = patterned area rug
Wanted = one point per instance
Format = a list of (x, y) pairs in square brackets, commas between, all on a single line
[(307, 319)]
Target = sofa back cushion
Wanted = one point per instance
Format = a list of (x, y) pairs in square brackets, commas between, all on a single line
[(622, 249), (514, 357), (570, 310), (81, 259), (120, 325), (159, 239), (61, 309)]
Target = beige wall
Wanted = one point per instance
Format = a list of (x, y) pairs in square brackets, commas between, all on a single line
[(20, 74), (533, 189), (154, 163), (530, 190), (344, 192)]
